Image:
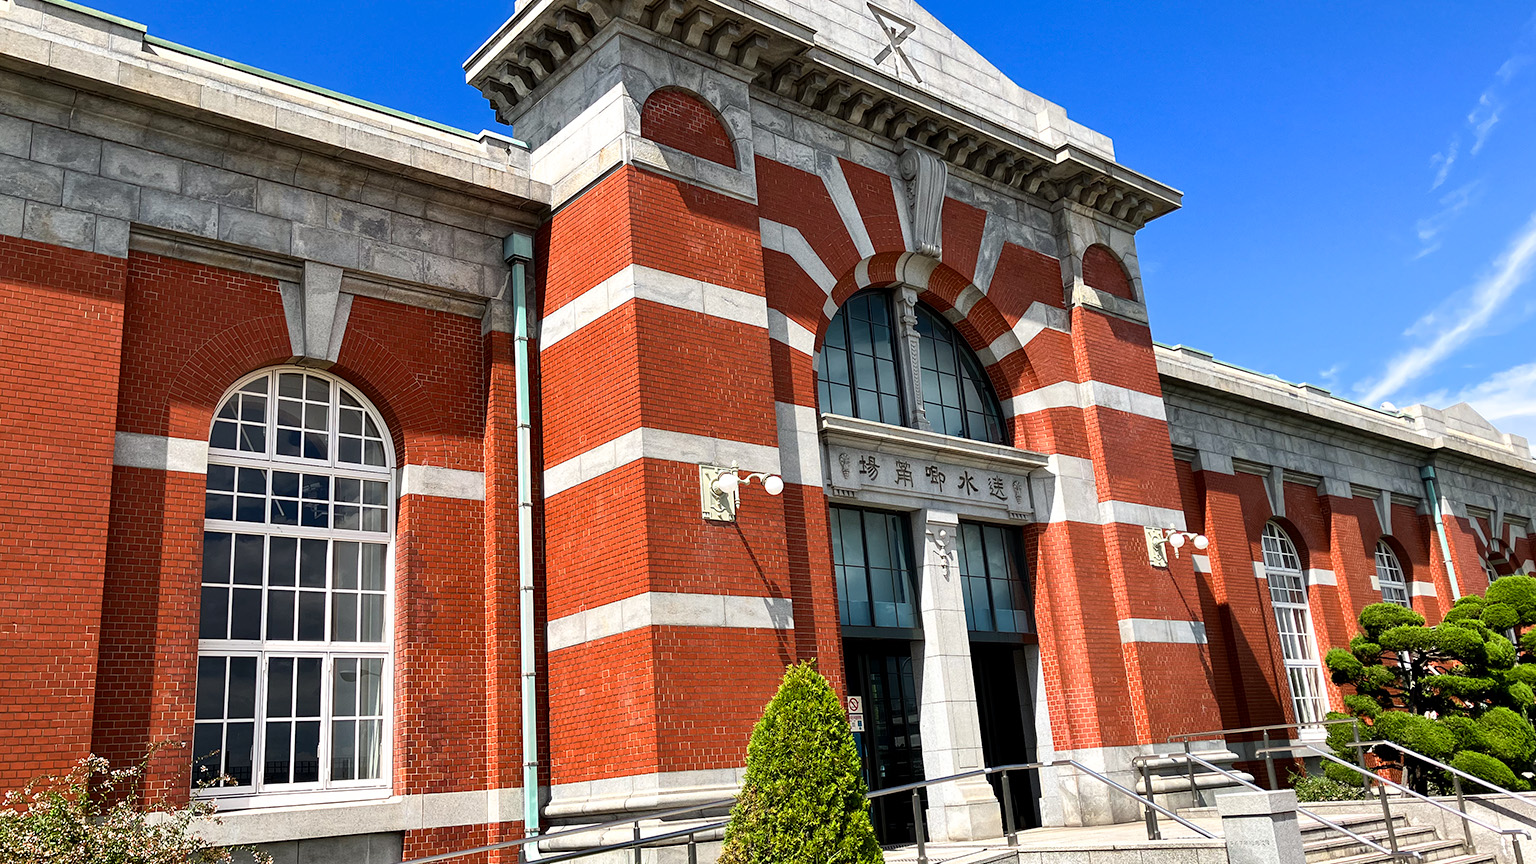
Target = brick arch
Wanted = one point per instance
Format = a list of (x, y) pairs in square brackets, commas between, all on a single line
[(222, 359), (1102, 269), (946, 291), (1298, 540), (1403, 559), (685, 121), (235, 352)]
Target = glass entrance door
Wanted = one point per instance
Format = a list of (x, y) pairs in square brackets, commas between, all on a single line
[(880, 671), (1007, 725)]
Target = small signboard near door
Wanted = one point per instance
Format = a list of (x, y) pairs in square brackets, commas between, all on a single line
[(856, 713)]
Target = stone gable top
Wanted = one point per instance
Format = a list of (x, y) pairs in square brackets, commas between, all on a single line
[(888, 67)]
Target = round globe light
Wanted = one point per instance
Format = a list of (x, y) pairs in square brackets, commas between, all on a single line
[(773, 484), (726, 483), (1202, 541), (1176, 541)]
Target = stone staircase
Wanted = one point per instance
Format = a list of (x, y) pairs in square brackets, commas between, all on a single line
[(1324, 844)]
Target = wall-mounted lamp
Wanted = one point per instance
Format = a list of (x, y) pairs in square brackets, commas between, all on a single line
[(1160, 539), (720, 490)]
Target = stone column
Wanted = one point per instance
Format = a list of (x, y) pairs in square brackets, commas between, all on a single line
[(1261, 827), (951, 729)]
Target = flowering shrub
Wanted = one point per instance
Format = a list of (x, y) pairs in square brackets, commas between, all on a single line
[(95, 815)]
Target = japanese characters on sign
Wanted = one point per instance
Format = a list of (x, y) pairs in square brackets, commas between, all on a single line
[(855, 470)]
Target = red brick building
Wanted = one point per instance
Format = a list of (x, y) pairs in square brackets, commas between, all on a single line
[(378, 462)]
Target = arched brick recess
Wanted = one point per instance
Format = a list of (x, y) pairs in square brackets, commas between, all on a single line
[(686, 122), (1102, 270)]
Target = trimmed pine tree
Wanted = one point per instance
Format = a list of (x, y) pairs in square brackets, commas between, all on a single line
[(803, 800)]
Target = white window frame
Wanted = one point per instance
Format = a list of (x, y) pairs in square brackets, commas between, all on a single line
[(1390, 577), (258, 794), (1291, 601)]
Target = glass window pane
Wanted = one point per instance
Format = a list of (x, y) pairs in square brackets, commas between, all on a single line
[(307, 691), (245, 614), (344, 572), (306, 752), (343, 744), (371, 687), (369, 749), (373, 566), (281, 560), (275, 761), (280, 615), (311, 616), (207, 747), (210, 688), (343, 617), (249, 552), (238, 740), (242, 687), (216, 556), (372, 618), (280, 687), (312, 563), (344, 688), (214, 622)]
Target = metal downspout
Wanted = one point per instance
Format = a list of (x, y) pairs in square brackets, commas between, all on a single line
[(517, 249), (1427, 474)]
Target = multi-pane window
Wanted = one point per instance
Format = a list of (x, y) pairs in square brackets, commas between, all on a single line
[(991, 573), (956, 397), (1293, 620), (1389, 575), (872, 557), (856, 372), (294, 647)]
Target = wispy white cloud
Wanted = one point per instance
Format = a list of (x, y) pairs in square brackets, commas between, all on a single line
[(1445, 160), (1461, 319), (1451, 206), (1486, 114), (1482, 120)]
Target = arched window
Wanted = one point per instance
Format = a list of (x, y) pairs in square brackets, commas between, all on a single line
[(956, 396), (858, 374), (1389, 575), (293, 663), (1293, 618)]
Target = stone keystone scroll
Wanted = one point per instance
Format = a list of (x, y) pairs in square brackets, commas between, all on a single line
[(925, 175), (317, 314)]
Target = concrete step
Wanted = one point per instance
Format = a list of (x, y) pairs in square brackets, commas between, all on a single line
[(1434, 850), (1356, 822), (1333, 845)]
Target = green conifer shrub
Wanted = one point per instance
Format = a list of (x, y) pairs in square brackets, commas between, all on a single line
[(803, 799), (1460, 692)]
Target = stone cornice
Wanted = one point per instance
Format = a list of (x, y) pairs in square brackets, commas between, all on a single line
[(528, 54), (1185, 367)]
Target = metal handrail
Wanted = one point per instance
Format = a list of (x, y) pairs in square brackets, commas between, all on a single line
[(1152, 817), (1457, 772), (1224, 732), (917, 815), (1466, 818), (586, 829)]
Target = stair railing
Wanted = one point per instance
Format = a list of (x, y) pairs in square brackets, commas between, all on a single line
[(1011, 830), (1142, 763), (1269, 760), (1457, 775), (1467, 820)]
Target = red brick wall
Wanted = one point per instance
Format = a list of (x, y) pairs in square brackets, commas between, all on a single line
[(1102, 270), (62, 332), (190, 332), (684, 121)]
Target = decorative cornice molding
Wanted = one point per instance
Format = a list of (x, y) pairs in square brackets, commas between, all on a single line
[(518, 65)]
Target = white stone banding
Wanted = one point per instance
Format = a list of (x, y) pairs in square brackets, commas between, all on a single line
[(657, 286), (647, 443), (661, 609), (160, 453)]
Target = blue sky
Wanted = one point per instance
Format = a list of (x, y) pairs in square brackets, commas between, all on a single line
[(1359, 178)]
